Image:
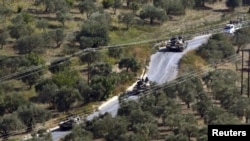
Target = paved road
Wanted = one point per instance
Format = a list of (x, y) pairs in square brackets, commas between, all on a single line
[(162, 68)]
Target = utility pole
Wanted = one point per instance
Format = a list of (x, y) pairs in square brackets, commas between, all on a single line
[(242, 62), (248, 78)]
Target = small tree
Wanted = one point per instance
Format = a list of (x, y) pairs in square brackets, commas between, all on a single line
[(134, 6), (107, 3), (19, 30), (42, 24), (79, 134), (129, 63), (30, 115), (4, 35), (152, 13), (100, 68), (61, 17), (90, 58), (117, 4), (27, 44), (87, 6), (115, 52), (94, 32), (10, 123), (232, 4), (58, 36), (66, 98), (127, 18), (5, 11)]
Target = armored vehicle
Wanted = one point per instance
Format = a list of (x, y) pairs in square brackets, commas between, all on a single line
[(176, 44), (70, 122)]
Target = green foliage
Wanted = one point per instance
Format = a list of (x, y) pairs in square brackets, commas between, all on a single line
[(9, 103), (84, 89), (42, 137), (129, 63), (65, 77), (66, 97), (79, 134), (241, 38), (12, 64), (59, 65), (10, 123), (116, 4), (35, 59), (115, 52), (240, 107), (5, 11), (176, 8), (61, 17), (47, 94), (102, 87), (52, 6), (117, 126), (100, 68), (42, 24), (134, 6), (216, 49), (4, 35), (27, 17), (58, 36), (152, 12), (189, 89), (87, 6), (94, 32), (30, 115), (203, 104), (30, 43), (173, 7), (29, 75), (107, 3), (127, 18), (216, 115), (176, 138), (20, 30), (232, 4)]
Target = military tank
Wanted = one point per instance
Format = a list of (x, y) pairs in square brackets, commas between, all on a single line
[(141, 86), (70, 122), (176, 44)]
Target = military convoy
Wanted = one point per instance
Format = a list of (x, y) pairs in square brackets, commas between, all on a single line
[(176, 44)]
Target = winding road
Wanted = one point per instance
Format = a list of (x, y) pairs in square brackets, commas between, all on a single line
[(163, 67)]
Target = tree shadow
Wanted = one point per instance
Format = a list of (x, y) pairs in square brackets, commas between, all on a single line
[(164, 49), (53, 26), (222, 10), (35, 11), (203, 8)]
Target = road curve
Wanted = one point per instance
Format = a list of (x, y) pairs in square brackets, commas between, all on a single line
[(162, 68)]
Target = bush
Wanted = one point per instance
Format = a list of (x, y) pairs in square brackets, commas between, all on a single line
[(217, 48), (107, 3)]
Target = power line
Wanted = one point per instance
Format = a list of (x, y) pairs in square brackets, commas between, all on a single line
[(68, 57), (178, 80)]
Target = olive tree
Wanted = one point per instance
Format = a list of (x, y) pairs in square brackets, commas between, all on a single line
[(152, 12)]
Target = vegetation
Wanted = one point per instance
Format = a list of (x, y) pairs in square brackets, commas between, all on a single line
[(161, 109), (32, 35)]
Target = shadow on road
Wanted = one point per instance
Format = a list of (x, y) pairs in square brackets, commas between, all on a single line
[(167, 50)]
